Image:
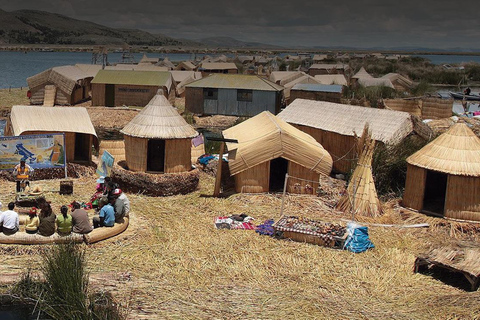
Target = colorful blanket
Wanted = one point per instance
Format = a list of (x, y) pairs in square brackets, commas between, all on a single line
[(229, 223)]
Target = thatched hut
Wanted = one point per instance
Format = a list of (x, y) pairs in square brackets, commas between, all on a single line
[(75, 122), (70, 85), (336, 126), (130, 87), (158, 139), (267, 149), (443, 177)]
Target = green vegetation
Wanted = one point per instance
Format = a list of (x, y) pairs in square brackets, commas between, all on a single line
[(390, 167), (64, 292)]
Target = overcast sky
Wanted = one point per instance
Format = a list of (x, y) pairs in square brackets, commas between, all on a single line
[(369, 23)]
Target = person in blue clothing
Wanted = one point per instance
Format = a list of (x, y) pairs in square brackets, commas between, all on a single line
[(106, 217)]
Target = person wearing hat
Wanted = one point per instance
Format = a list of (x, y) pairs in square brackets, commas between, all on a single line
[(22, 172), (122, 205), (32, 222), (9, 221)]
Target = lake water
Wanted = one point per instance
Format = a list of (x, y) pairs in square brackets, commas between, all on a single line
[(16, 66)]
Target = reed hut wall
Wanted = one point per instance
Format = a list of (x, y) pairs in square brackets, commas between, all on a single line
[(38, 95), (129, 95), (115, 147), (136, 153), (301, 185), (194, 100), (410, 106), (433, 108), (342, 148), (462, 198), (178, 155), (313, 95), (254, 179), (197, 152), (69, 143), (414, 187), (98, 94)]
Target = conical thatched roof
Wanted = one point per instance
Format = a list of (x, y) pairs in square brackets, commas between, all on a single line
[(362, 74), (457, 152), (159, 120)]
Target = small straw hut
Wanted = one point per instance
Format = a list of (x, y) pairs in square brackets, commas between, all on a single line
[(158, 139), (443, 178), (115, 147), (75, 122), (70, 83), (267, 149)]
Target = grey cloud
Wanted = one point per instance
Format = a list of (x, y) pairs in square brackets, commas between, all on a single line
[(359, 23)]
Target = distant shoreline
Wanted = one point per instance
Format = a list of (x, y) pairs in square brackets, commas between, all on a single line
[(177, 49)]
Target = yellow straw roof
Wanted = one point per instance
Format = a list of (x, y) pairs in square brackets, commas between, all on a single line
[(266, 137), (457, 152), (159, 120)]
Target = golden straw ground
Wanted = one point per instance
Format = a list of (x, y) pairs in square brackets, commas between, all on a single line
[(172, 263)]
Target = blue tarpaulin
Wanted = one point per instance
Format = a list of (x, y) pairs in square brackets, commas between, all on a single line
[(357, 239)]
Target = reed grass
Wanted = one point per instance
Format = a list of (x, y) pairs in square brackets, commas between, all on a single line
[(171, 263)]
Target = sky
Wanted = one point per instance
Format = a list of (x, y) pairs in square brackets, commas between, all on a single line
[(436, 24)]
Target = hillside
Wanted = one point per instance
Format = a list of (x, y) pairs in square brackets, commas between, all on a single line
[(227, 42), (37, 27)]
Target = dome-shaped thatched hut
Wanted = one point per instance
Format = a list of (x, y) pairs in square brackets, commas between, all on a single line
[(267, 149), (443, 177), (158, 139)]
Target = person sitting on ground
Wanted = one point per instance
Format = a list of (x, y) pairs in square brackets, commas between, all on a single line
[(47, 220), (96, 196), (100, 183), (32, 222), (110, 186), (22, 172), (9, 221), (121, 206), (467, 91), (80, 221), (106, 217), (64, 222)]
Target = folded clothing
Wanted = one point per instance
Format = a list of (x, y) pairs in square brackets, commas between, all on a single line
[(266, 228), (229, 223)]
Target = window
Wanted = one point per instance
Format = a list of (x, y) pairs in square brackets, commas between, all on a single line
[(244, 95), (210, 94)]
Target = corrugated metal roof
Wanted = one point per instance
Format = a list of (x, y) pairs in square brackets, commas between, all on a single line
[(318, 87), (329, 66), (142, 78), (218, 66), (235, 81)]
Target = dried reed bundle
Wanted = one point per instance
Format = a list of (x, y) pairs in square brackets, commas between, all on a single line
[(361, 195)]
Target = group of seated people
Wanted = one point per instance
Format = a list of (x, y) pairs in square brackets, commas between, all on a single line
[(113, 205)]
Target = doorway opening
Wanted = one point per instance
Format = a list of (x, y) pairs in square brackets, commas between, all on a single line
[(278, 169), (156, 155), (435, 192)]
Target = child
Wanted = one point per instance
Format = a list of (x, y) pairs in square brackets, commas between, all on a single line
[(32, 222)]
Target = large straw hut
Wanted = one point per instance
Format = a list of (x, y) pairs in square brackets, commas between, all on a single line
[(267, 149), (324, 68), (158, 139), (335, 126), (75, 122), (443, 177), (130, 87), (70, 85)]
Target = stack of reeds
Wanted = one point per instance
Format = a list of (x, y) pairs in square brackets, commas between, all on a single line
[(361, 195)]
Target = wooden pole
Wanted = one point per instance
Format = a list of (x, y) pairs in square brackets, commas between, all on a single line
[(218, 179), (283, 194)]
